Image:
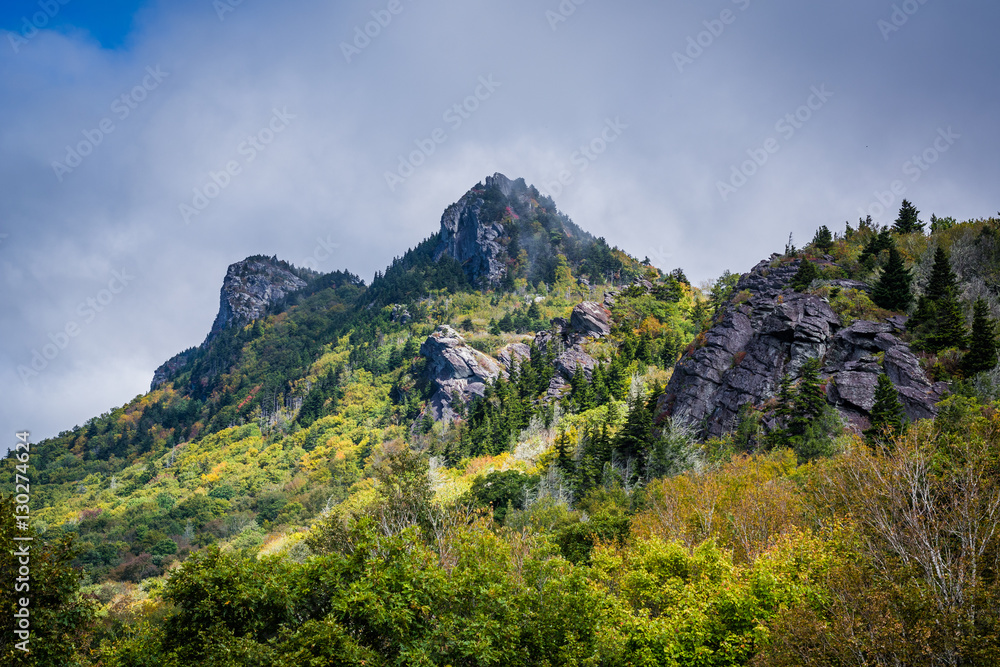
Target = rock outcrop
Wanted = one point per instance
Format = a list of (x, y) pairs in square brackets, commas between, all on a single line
[(743, 358), (171, 367), (249, 287), (457, 370), (591, 319), (470, 233)]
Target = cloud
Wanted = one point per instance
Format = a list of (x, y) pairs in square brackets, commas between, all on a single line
[(321, 181)]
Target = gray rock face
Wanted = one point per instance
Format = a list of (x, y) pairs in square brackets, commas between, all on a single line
[(249, 287), (472, 240), (456, 369), (591, 319), (744, 357), (518, 353)]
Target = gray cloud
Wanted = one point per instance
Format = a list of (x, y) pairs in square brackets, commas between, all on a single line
[(320, 182)]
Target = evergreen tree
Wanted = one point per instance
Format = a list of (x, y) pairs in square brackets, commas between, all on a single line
[(982, 355), (949, 325), (804, 276), (876, 244), (892, 291), (564, 457), (887, 416), (823, 240), (634, 438), (922, 320), (907, 221), (942, 279)]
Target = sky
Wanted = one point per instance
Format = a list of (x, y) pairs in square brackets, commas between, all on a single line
[(148, 145)]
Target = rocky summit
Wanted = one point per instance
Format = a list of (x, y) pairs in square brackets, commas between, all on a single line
[(758, 340), (471, 229), (249, 287)]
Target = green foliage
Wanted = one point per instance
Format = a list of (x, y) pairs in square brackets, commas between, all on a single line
[(809, 423), (823, 240), (907, 222), (887, 416), (59, 621), (892, 291), (804, 277), (501, 491), (941, 224), (982, 355)]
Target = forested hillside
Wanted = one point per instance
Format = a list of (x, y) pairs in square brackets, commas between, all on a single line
[(486, 457)]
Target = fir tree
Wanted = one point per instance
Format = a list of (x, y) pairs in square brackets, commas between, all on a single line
[(949, 325), (892, 291), (907, 221), (804, 276), (982, 355), (634, 438), (887, 416), (564, 458), (942, 279), (823, 240)]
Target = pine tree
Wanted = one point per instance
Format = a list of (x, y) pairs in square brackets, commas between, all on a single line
[(823, 240), (942, 279), (892, 291), (876, 244), (907, 221), (887, 416), (949, 325), (804, 276), (982, 355), (564, 458), (921, 323), (634, 438)]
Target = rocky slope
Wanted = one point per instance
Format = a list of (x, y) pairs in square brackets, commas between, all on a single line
[(461, 372), (745, 355), (250, 286)]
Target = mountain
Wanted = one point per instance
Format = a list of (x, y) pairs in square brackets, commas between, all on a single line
[(519, 445)]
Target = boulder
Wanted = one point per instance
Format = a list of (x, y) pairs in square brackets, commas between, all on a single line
[(457, 370), (591, 320)]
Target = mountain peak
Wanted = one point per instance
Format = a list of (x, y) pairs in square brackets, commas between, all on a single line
[(250, 286)]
